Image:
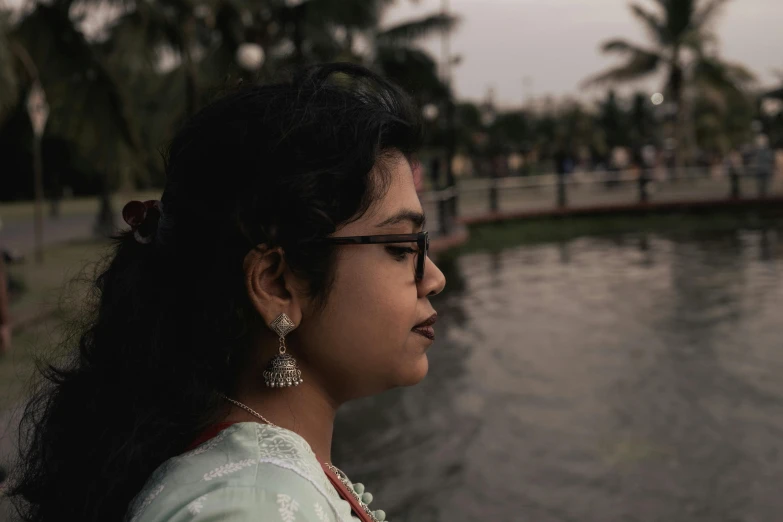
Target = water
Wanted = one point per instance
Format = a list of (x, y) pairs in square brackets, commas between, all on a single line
[(634, 378)]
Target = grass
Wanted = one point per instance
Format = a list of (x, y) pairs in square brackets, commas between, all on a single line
[(18, 366), (25, 210), (494, 237), (51, 293), (44, 284)]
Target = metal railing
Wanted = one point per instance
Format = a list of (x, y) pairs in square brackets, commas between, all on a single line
[(580, 190)]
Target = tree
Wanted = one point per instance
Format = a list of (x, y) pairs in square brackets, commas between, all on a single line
[(87, 106), (683, 50), (613, 121), (397, 56), (641, 122), (9, 79)]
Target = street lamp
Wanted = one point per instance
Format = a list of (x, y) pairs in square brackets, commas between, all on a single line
[(430, 112), (488, 115), (771, 107), (38, 111), (250, 56)]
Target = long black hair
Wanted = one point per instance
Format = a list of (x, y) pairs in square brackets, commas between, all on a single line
[(279, 164)]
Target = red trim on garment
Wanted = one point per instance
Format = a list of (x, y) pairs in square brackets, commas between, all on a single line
[(342, 489), (209, 433)]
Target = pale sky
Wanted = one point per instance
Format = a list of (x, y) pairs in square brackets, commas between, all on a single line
[(556, 42)]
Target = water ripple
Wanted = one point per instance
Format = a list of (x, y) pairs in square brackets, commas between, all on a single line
[(621, 379)]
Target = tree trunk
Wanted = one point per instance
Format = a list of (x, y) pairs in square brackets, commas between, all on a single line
[(298, 41), (56, 194), (39, 196), (191, 76), (675, 88), (104, 222), (451, 149)]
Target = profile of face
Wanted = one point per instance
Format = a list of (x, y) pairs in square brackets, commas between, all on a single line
[(362, 341)]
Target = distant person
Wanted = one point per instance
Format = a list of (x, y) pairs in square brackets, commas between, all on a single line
[(764, 164), (732, 166), (5, 315), (283, 273)]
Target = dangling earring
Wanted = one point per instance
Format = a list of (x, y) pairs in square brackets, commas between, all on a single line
[(282, 371)]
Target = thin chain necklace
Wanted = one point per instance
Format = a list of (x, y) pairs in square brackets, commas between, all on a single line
[(251, 411), (337, 471)]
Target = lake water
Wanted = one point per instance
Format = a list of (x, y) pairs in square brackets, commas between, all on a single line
[(630, 378)]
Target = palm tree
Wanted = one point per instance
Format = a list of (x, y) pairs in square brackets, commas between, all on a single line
[(9, 80), (324, 30), (179, 29), (683, 50), (399, 58), (641, 122), (87, 106)]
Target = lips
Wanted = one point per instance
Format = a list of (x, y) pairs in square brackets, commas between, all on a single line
[(425, 328), (428, 322)]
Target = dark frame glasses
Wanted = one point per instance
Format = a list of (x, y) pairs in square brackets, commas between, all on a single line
[(422, 240)]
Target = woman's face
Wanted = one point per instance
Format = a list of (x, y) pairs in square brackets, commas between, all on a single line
[(362, 341)]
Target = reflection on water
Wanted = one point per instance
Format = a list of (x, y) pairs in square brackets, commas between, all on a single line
[(622, 379)]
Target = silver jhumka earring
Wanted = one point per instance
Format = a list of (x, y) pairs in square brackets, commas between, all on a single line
[(282, 371)]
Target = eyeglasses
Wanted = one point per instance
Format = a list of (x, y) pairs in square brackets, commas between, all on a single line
[(422, 240)]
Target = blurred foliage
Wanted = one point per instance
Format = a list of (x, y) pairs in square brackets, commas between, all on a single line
[(120, 76), (683, 48), (582, 131)]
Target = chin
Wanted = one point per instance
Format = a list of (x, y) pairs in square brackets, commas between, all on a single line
[(414, 373)]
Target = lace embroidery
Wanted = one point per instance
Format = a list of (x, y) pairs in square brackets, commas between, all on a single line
[(197, 505), (148, 500), (277, 443), (287, 450), (288, 507), (229, 468), (320, 513), (208, 445), (275, 446), (286, 465)]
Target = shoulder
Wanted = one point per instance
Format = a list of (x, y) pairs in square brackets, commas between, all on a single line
[(247, 472)]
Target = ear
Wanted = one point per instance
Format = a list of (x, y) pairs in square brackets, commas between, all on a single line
[(270, 284)]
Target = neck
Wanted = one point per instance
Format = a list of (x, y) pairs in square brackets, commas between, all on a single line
[(303, 409)]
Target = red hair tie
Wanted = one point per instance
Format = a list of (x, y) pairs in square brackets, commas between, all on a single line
[(143, 218)]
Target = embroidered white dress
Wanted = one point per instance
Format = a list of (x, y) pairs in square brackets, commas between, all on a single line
[(248, 472)]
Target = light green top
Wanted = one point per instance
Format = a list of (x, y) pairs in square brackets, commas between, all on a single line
[(248, 472)]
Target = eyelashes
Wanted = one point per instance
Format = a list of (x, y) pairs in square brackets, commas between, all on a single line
[(400, 253)]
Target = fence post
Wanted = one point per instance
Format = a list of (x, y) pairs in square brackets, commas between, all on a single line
[(562, 198), (493, 191), (444, 219), (735, 186), (443, 215), (451, 205), (644, 181)]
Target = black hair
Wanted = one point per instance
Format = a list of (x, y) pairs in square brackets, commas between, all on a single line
[(278, 164)]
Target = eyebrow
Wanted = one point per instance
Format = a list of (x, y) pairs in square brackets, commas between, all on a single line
[(416, 218)]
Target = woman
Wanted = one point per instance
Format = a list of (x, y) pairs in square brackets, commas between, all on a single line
[(283, 273)]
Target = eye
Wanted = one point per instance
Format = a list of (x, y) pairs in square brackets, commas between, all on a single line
[(399, 253)]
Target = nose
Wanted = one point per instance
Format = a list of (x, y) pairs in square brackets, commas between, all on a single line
[(433, 281)]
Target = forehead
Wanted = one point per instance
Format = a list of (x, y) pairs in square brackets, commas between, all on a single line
[(401, 192), (400, 195)]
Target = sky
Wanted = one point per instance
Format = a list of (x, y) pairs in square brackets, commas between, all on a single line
[(555, 43)]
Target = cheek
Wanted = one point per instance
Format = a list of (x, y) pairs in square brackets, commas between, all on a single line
[(367, 321), (376, 304)]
